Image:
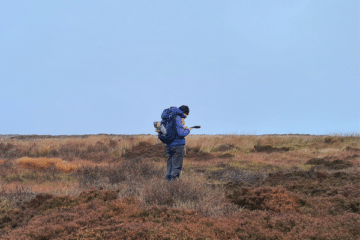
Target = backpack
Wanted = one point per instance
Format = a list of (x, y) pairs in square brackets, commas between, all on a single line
[(167, 128)]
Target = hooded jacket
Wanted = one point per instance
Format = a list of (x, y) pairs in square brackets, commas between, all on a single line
[(181, 133)]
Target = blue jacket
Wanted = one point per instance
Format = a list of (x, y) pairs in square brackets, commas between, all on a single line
[(181, 133)]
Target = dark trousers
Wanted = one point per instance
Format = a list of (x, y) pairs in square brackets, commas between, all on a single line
[(175, 156)]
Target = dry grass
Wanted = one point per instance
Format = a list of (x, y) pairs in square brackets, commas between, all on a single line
[(231, 187), (44, 163)]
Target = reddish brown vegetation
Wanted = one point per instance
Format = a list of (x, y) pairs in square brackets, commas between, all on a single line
[(247, 196)]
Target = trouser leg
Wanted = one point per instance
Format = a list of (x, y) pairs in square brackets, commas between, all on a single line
[(175, 157)]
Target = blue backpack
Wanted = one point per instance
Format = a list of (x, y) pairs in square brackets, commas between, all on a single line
[(167, 127)]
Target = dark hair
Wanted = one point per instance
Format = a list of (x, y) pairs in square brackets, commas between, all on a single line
[(185, 109)]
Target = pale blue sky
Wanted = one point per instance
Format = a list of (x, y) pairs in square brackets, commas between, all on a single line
[(245, 67)]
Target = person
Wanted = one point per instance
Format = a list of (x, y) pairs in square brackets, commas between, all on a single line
[(175, 150)]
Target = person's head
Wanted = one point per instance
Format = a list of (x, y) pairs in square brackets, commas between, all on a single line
[(185, 109)]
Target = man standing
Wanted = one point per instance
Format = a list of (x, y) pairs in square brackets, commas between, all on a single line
[(175, 150)]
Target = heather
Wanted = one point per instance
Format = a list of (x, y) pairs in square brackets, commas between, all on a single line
[(231, 187)]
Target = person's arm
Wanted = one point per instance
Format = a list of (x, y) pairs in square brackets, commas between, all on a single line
[(180, 128)]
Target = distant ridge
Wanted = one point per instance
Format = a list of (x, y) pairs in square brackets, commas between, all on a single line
[(35, 136)]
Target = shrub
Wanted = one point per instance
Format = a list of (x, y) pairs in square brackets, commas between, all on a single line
[(267, 198), (12, 178)]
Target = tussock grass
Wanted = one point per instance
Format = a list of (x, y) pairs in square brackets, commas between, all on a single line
[(44, 163), (236, 186)]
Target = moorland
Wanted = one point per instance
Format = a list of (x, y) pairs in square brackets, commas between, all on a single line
[(230, 187)]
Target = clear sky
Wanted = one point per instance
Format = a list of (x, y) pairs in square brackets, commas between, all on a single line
[(242, 67)]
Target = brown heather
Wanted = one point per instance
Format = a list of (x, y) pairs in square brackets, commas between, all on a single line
[(231, 187)]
